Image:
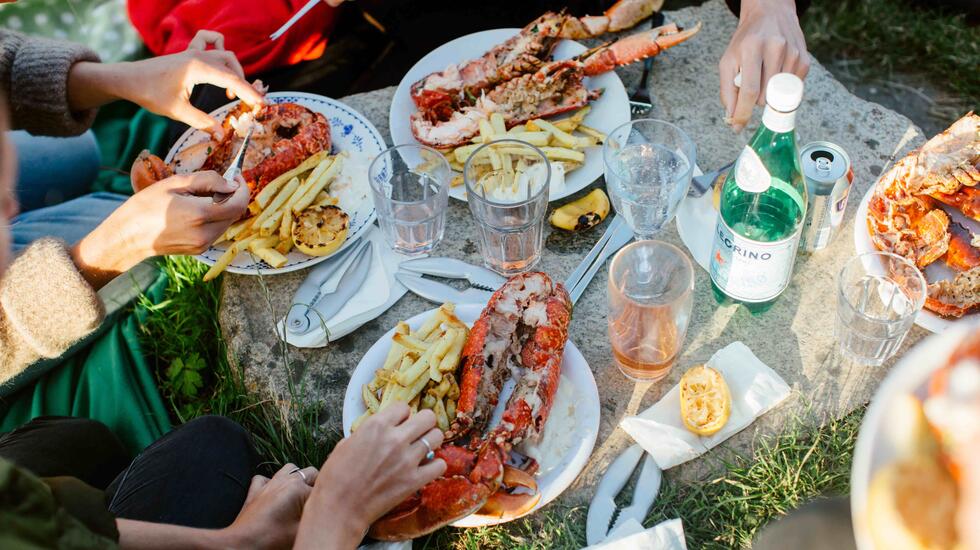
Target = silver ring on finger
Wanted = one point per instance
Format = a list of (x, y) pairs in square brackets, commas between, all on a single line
[(301, 474), (430, 455)]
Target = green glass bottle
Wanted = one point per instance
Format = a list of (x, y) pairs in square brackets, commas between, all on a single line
[(762, 207)]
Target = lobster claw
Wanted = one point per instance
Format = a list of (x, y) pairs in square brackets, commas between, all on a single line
[(635, 47), (508, 505)]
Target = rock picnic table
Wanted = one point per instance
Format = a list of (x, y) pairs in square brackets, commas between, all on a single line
[(795, 338)]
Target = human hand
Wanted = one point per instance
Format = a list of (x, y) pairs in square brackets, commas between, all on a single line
[(768, 41), (163, 85), (272, 510), (177, 215), (369, 473)]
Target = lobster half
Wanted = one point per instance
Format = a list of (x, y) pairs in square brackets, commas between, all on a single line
[(553, 88), (521, 333)]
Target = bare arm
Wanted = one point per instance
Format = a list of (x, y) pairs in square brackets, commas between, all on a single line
[(152, 536)]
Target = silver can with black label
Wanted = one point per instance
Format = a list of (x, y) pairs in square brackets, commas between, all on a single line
[(828, 174)]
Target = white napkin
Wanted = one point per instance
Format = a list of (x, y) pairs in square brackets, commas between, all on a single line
[(667, 535), (379, 292), (755, 388)]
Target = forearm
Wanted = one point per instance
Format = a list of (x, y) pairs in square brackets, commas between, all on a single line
[(92, 85), (105, 253), (329, 524), (151, 536)]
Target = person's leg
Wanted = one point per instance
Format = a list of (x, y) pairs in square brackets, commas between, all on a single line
[(197, 476), (70, 220), (51, 446), (53, 170)]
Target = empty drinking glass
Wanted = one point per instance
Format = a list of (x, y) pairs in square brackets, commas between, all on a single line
[(648, 167), (878, 297), (651, 292), (411, 196), (507, 190)]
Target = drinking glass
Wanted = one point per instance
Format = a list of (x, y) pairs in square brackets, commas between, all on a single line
[(876, 308), (508, 197), (648, 167), (411, 197), (651, 293)]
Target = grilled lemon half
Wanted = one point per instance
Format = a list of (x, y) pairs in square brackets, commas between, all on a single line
[(706, 402), (320, 230)]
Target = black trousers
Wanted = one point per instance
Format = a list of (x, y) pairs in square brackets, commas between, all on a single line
[(197, 475)]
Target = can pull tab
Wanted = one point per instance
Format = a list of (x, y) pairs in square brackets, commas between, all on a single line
[(823, 164)]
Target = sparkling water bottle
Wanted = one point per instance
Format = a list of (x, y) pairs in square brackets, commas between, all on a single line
[(762, 208)]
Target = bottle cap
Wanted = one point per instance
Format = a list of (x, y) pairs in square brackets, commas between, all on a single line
[(784, 92)]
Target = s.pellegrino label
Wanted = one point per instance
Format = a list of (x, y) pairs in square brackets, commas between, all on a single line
[(751, 271)]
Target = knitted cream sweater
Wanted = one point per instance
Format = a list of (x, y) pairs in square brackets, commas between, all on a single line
[(45, 307)]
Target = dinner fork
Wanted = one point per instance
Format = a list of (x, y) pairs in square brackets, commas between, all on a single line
[(640, 103), (235, 168)]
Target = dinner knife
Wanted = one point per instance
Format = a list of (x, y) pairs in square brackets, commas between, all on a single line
[(441, 293), (310, 293), (703, 183), (603, 504), (452, 268)]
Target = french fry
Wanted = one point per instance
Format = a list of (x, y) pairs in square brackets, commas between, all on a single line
[(370, 400), (277, 203), (262, 242), (271, 225), (451, 409), (562, 137), (413, 404), (442, 419), (589, 131), (272, 188), (328, 175), (497, 121), (310, 181), (323, 199), (428, 401), (285, 246), (486, 131), (441, 389), (453, 392), (271, 257), (234, 230), (456, 181), (418, 369), (451, 359), (225, 259), (561, 153), (410, 342), (442, 314)]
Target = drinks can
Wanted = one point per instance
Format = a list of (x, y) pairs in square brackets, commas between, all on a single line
[(828, 175)]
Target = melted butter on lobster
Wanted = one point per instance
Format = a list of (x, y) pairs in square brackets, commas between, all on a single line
[(553, 88), (521, 333)]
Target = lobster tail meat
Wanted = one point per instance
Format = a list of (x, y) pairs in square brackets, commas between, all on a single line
[(520, 334)]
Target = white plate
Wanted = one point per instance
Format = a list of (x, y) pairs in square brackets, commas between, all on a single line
[(349, 131), (573, 367), (875, 447), (609, 111), (937, 271)]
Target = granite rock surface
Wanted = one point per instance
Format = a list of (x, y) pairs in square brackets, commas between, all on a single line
[(796, 337)]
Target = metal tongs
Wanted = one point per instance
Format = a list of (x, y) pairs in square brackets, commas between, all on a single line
[(235, 168)]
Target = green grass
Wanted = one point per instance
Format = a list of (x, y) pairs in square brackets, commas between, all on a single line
[(184, 325), (887, 35), (723, 512)]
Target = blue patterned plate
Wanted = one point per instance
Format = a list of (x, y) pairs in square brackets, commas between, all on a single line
[(350, 131)]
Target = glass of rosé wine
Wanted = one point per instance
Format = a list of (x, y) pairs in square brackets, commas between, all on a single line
[(651, 293)]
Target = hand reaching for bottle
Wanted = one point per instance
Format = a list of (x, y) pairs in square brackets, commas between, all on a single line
[(768, 41)]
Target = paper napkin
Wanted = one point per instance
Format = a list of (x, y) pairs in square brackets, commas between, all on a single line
[(755, 388), (667, 535), (379, 292)]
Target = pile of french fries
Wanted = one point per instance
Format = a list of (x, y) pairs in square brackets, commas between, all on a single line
[(555, 139), (267, 232), (420, 368)]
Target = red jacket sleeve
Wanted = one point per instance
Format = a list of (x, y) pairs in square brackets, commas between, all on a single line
[(167, 26)]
